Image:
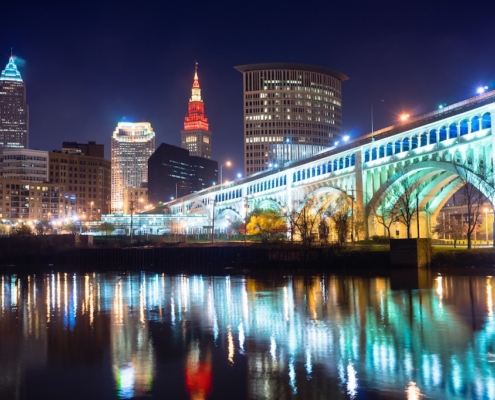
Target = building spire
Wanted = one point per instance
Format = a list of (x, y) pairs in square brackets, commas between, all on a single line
[(196, 91), (196, 79), (11, 73), (196, 109)]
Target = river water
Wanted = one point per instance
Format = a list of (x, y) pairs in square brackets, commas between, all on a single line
[(158, 336)]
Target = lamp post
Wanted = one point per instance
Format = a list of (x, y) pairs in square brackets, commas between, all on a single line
[(486, 224), (212, 221), (228, 164), (91, 216), (417, 211), (246, 209), (352, 215), (132, 210), (372, 122)]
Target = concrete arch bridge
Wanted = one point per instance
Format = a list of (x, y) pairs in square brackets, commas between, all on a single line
[(426, 150)]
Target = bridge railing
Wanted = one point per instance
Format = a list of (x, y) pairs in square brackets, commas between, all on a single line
[(414, 122), (477, 101)]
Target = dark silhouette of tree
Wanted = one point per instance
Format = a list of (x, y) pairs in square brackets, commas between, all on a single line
[(340, 214), (22, 230), (453, 227), (106, 227), (307, 220)]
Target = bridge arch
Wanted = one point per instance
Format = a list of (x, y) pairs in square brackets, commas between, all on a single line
[(441, 180)]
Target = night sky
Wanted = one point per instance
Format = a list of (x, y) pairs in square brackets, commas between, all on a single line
[(88, 65)]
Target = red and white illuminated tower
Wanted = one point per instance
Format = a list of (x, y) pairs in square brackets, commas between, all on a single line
[(196, 137)]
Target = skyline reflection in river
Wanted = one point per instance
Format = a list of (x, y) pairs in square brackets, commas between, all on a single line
[(113, 336)]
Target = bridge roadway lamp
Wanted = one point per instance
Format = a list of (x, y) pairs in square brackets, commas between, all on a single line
[(482, 89), (228, 164)]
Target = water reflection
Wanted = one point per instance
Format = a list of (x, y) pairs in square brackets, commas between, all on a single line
[(201, 337)]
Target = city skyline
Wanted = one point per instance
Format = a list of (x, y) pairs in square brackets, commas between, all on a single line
[(82, 83)]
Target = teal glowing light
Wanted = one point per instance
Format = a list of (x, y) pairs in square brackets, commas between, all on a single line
[(11, 73)]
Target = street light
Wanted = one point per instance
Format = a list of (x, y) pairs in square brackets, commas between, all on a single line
[(404, 117), (352, 215), (132, 210), (212, 220), (486, 224), (246, 209), (228, 164), (482, 89)]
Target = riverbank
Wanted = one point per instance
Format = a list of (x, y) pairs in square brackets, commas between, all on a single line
[(64, 250)]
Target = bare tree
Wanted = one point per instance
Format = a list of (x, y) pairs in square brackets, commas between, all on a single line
[(453, 228), (474, 178), (405, 195), (386, 214), (359, 222), (341, 216), (307, 220)]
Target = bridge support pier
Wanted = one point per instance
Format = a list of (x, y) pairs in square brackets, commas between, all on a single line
[(410, 253)]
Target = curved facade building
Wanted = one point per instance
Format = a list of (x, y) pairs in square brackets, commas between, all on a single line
[(291, 111)]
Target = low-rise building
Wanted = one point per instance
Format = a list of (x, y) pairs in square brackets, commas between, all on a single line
[(30, 202), (86, 181), (136, 199)]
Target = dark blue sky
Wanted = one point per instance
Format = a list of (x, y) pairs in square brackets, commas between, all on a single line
[(91, 64)]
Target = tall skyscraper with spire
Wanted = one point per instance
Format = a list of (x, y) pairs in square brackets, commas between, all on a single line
[(196, 137), (14, 114)]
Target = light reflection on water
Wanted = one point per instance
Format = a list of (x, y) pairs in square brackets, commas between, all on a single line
[(156, 335)]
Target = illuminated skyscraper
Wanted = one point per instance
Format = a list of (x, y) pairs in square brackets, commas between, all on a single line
[(291, 111), (132, 145), (14, 116), (196, 137)]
